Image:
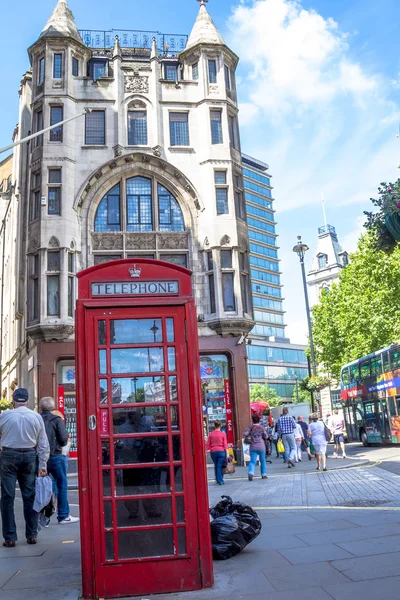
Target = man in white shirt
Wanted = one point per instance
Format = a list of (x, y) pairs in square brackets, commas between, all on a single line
[(24, 442), (336, 425)]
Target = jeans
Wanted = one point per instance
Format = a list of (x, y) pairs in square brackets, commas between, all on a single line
[(218, 459), (298, 450), (254, 454), (21, 466), (55, 490), (57, 469), (290, 446)]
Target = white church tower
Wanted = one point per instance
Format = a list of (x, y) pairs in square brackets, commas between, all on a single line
[(329, 259)]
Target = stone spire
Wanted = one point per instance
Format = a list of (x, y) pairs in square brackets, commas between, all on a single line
[(61, 23), (204, 30)]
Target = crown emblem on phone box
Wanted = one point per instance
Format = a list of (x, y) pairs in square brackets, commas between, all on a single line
[(135, 273)]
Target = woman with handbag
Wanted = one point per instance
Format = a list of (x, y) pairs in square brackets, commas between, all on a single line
[(218, 447), (316, 430), (257, 438)]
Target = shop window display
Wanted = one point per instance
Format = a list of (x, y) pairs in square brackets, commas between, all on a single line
[(67, 400), (216, 394)]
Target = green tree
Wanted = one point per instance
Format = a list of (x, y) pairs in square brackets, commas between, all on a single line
[(359, 314), (302, 395), (263, 393)]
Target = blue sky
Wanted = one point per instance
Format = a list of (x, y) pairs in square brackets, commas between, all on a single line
[(318, 83)]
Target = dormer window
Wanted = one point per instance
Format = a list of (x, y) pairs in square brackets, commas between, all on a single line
[(344, 257), (171, 71), (97, 67), (322, 261)]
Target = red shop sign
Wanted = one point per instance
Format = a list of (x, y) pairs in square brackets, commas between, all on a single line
[(61, 400), (229, 414)]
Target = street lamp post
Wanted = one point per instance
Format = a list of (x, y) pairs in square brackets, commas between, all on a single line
[(300, 249)]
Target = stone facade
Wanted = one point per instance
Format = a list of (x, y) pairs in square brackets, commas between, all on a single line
[(63, 176)]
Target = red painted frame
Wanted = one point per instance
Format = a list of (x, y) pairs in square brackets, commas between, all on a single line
[(166, 574)]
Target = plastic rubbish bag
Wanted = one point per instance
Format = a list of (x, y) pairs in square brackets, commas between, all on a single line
[(234, 526), (43, 493)]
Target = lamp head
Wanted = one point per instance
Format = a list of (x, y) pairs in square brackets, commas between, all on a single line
[(300, 248)]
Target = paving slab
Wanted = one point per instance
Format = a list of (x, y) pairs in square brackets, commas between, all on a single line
[(315, 554), (351, 534), (381, 545), (53, 593), (34, 579), (373, 589), (369, 567), (316, 593), (291, 578)]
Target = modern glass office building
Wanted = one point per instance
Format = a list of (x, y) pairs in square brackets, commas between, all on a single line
[(272, 358)]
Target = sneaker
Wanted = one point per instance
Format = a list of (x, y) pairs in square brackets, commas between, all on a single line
[(68, 520), (344, 456), (250, 477), (334, 455)]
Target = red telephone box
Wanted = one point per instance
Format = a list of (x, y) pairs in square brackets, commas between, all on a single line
[(142, 476)]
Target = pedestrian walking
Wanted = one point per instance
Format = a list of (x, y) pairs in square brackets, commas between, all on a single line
[(306, 439), (298, 436), (258, 440), (25, 447), (316, 430), (286, 428), (56, 466), (336, 425), (218, 446)]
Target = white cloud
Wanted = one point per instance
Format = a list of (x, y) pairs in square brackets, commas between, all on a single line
[(298, 58)]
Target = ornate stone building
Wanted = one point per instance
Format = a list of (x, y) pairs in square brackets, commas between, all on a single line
[(153, 170)]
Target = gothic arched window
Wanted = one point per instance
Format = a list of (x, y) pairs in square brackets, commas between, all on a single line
[(108, 215), (170, 216), (139, 204)]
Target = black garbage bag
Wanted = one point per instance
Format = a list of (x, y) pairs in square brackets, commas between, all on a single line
[(234, 526)]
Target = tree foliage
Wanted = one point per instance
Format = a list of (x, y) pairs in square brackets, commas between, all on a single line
[(359, 314), (263, 393), (301, 396)]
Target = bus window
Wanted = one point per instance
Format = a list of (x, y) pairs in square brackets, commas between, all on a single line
[(376, 365), (395, 358), (392, 407), (386, 365), (354, 372), (345, 376), (365, 369)]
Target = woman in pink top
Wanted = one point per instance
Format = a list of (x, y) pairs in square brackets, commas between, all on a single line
[(218, 447)]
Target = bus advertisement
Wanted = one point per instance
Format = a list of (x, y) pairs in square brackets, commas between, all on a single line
[(370, 396)]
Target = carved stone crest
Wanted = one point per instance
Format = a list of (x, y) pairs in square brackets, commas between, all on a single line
[(117, 150), (99, 174), (136, 83), (157, 151), (225, 240), (113, 165), (145, 158)]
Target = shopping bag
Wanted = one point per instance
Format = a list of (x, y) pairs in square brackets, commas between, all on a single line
[(43, 493), (228, 469), (280, 447)]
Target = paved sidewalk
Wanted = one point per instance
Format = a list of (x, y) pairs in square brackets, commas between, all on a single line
[(333, 535)]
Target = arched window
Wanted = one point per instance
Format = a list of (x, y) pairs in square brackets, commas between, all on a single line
[(134, 212), (169, 213), (108, 215), (138, 204), (137, 128)]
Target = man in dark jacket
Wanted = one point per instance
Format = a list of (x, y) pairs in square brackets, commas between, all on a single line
[(305, 435), (56, 466)]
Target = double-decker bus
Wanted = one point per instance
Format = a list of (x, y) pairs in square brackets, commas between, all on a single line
[(370, 395)]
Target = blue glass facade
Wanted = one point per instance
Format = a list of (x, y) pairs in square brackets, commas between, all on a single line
[(271, 357)]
